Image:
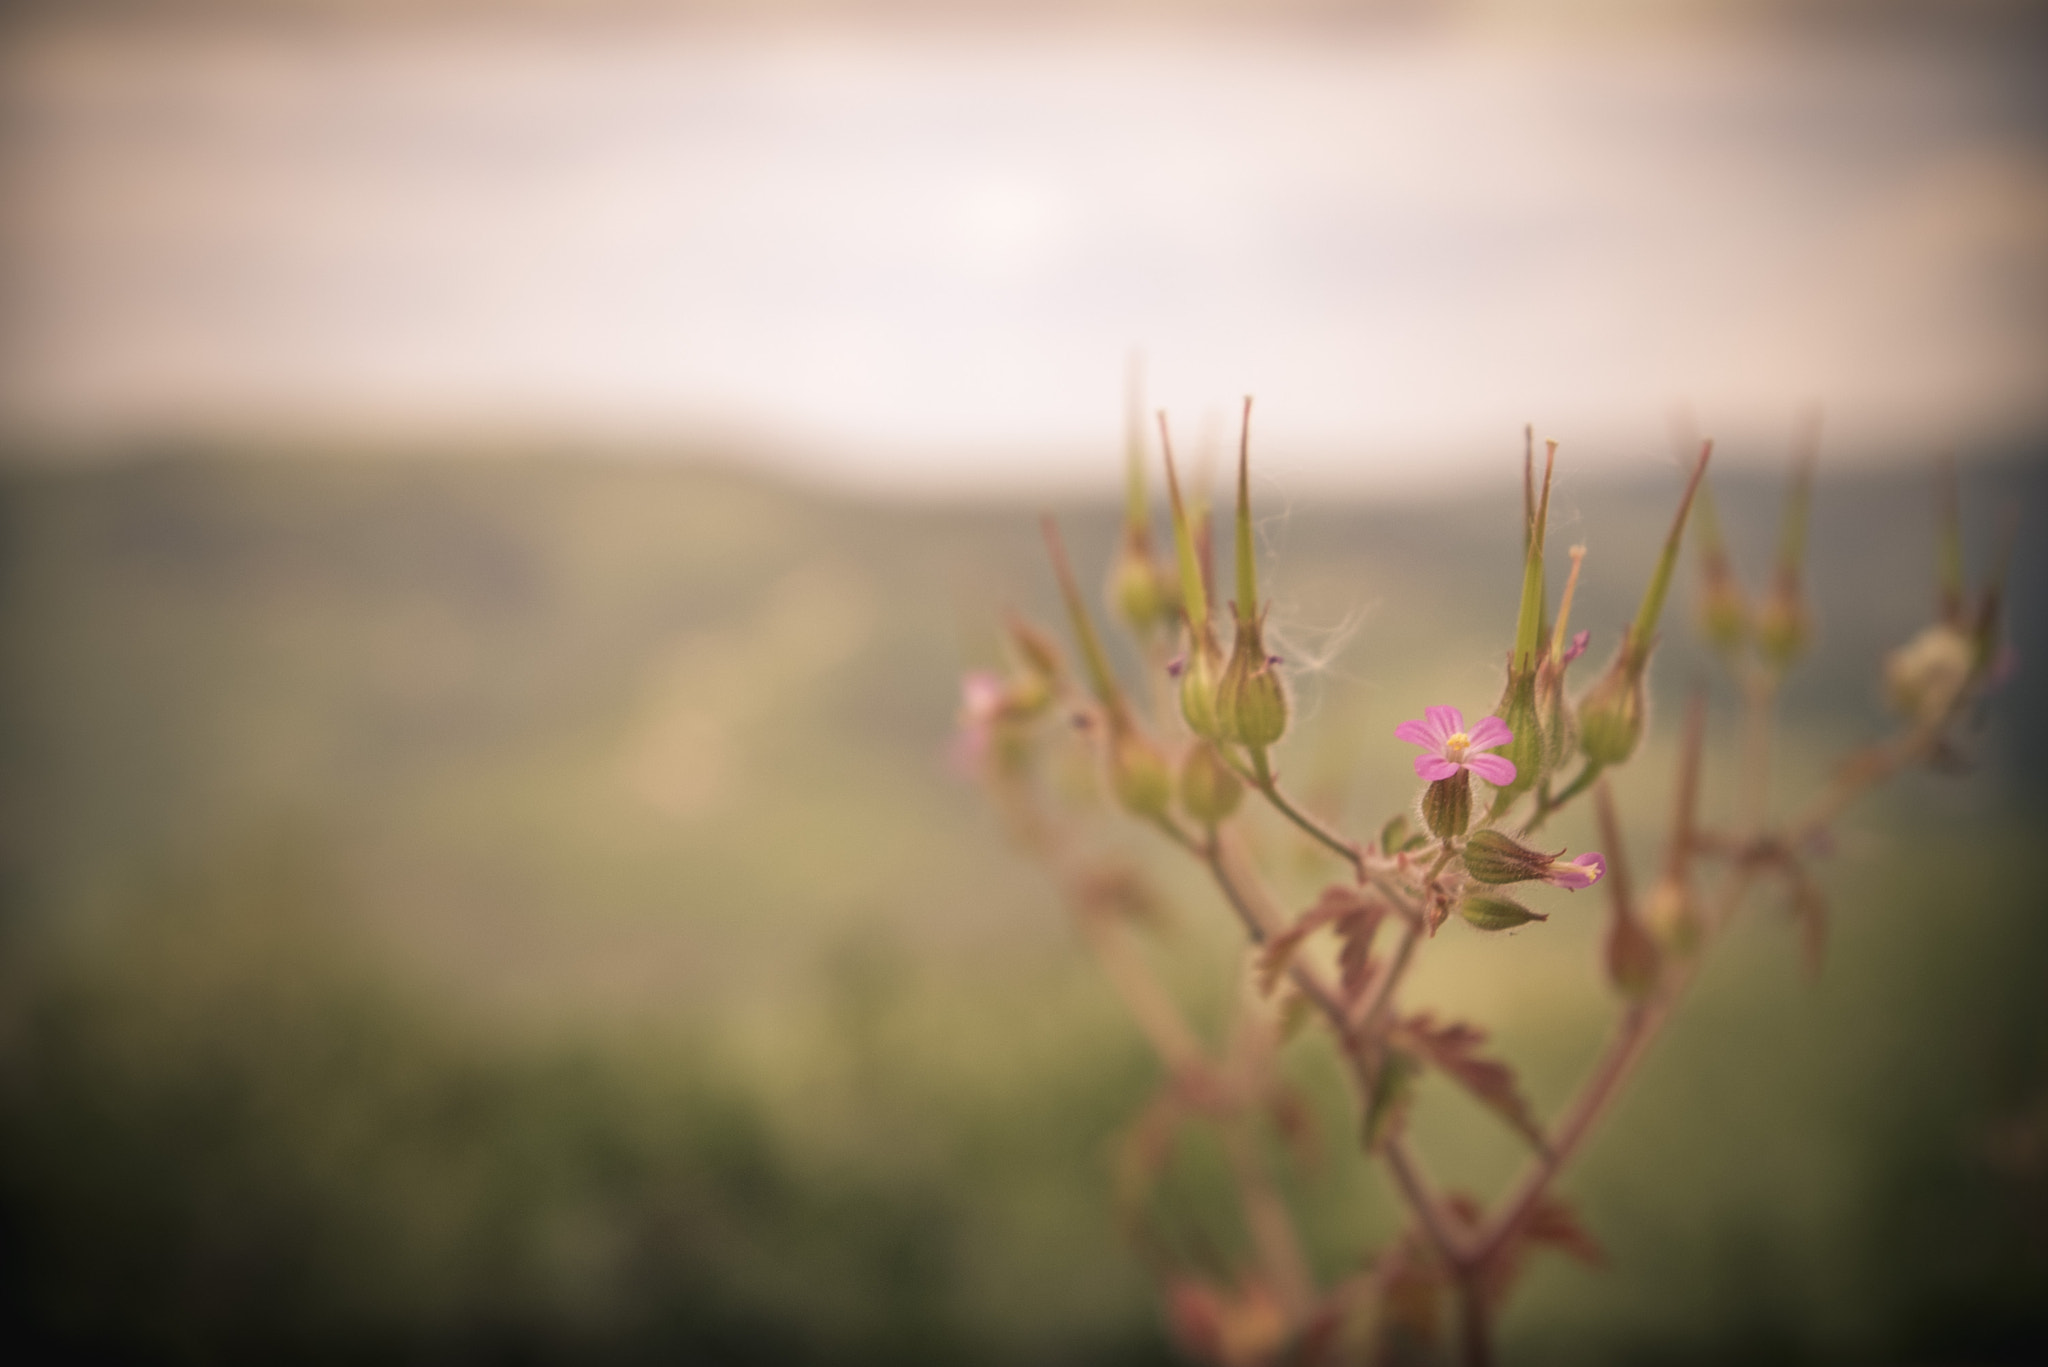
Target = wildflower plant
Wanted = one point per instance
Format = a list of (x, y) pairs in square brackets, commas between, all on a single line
[(1190, 751)]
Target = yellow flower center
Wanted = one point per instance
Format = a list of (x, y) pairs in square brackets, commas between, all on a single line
[(1456, 746)]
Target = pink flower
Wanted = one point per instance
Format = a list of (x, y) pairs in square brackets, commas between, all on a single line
[(1583, 872), (1451, 747), (982, 698), (1576, 648)]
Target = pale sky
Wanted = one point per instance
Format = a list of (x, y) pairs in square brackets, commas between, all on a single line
[(918, 262)]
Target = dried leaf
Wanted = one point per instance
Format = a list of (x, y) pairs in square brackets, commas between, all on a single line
[(1411, 1303), (1144, 1150), (1553, 1223), (1548, 1223), (1339, 905), (1118, 891), (1357, 929), (1440, 903), (1296, 1125), (1454, 1050)]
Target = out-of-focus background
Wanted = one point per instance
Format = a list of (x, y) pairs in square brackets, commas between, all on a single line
[(497, 498)]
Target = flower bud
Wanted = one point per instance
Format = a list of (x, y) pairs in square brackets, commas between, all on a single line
[(1555, 718), (1138, 774), (1138, 591), (1924, 677), (1529, 747), (1209, 792), (1723, 607), (1672, 917), (1724, 612), (1447, 805), (1784, 624), (1632, 957), (1037, 651), (1611, 713), (1251, 704), (1200, 676), (1496, 913), (1494, 857)]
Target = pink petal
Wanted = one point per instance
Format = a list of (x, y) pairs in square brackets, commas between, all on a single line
[(1577, 647), (1448, 721), (1491, 732), (1418, 733), (1495, 770), (1434, 767), (981, 694), (1583, 872)]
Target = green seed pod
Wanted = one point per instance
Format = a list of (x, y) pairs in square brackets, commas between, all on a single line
[(1447, 805), (1209, 792), (1632, 957), (1493, 857), (1138, 774), (1555, 717), (1138, 592), (1672, 917), (1784, 624), (1724, 612), (1251, 704), (1199, 679), (1528, 749), (1612, 712), (1496, 913)]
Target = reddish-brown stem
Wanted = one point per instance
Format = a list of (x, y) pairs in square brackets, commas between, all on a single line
[(1618, 886), (1475, 1322), (1428, 1207), (1261, 920), (1685, 807), (1270, 1224), (1158, 1016)]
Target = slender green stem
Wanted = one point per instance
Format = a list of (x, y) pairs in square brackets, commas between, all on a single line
[(1260, 775), (1546, 806)]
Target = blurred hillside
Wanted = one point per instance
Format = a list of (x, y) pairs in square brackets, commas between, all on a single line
[(523, 909)]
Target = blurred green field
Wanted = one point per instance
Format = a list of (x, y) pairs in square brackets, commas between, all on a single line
[(520, 909)]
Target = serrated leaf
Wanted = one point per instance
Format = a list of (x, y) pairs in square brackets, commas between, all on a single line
[(1453, 1049), (1413, 1287), (1549, 1223), (1338, 904), (1357, 929), (1295, 1124), (1553, 1223), (1146, 1146), (1120, 892)]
